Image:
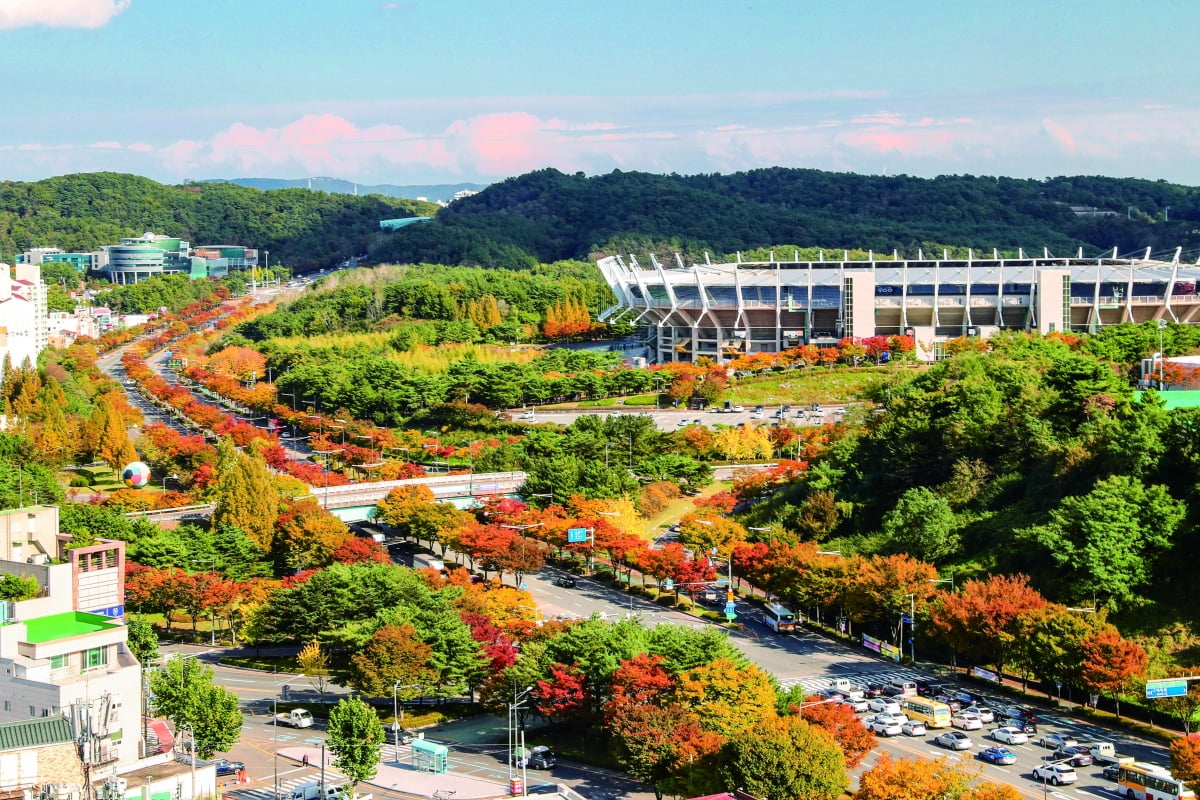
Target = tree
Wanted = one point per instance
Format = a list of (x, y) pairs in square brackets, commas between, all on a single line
[(912, 779), (143, 641), (847, 730), (245, 496), (393, 656), (185, 693), (1185, 760), (113, 446), (921, 525), (1105, 543), (1183, 708), (307, 536), (785, 757), (355, 737), (981, 620), (313, 663), (1110, 663), (728, 697)]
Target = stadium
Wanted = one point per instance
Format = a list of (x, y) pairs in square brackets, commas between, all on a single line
[(721, 311)]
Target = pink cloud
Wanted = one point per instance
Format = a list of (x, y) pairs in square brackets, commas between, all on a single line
[(106, 145), (1059, 134), (907, 144), (59, 13)]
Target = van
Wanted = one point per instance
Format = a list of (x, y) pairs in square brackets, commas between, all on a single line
[(312, 791), (905, 688)]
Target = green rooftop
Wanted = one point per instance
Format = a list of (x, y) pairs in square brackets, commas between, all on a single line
[(1176, 398), (29, 733), (63, 626)]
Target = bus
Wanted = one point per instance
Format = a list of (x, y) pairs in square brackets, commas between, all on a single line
[(779, 618), (923, 709), (1148, 782)]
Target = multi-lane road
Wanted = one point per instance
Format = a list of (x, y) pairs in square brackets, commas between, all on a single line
[(674, 419), (803, 658)]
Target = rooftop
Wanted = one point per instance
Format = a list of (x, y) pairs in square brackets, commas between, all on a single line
[(66, 625), (29, 733)]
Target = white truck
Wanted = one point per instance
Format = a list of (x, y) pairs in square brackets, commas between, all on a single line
[(1106, 753), (312, 791), (296, 718)]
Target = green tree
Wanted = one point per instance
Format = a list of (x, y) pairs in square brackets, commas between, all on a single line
[(313, 663), (394, 656), (245, 496), (355, 737), (185, 693), (18, 587), (922, 525), (785, 757), (1105, 543), (143, 641)]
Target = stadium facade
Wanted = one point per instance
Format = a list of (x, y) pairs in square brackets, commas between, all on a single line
[(721, 311)]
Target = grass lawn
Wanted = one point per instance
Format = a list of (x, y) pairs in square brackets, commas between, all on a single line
[(809, 386), (678, 507)]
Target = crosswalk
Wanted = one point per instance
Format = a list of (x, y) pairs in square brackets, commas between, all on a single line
[(285, 788), (816, 683)]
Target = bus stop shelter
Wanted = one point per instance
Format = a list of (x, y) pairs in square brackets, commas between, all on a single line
[(430, 757)]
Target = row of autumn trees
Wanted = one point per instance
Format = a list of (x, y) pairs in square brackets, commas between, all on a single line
[(1001, 622)]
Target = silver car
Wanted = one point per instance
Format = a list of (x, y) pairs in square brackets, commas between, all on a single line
[(954, 740)]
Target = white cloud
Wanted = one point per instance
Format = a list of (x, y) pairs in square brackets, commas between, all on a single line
[(59, 13)]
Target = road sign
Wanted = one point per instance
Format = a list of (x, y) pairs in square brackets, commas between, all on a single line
[(1167, 687), (576, 535), (730, 607), (668, 584)]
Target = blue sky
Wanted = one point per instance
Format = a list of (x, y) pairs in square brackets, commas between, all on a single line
[(443, 91)]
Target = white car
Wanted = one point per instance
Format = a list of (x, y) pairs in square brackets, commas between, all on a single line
[(914, 727), (885, 725), (984, 713), (883, 705), (954, 740), (526, 415), (738, 409), (859, 704), (1010, 735), (683, 423), (967, 722), (1055, 774)]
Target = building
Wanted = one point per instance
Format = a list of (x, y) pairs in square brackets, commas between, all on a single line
[(721, 311), (64, 652), (39, 756), (82, 262), (147, 256), (23, 316), (221, 258)]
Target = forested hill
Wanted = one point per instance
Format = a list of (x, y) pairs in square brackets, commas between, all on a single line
[(302, 229), (547, 215)]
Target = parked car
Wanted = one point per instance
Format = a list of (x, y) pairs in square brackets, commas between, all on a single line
[(566, 581), (884, 725), (883, 704), (999, 755), (967, 722), (955, 740), (1055, 774), (1010, 735), (1076, 756), (1057, 740), (914, 727), (226, 767)]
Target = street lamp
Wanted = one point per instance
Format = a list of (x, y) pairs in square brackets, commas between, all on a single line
[(172, 477), (1162, 326), (800, 708), (548, 495), (912, 625), (513, 711), (522, 529), (396, 711), (213, 618)]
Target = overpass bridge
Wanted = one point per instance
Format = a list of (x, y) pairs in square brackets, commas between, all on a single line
[(355, 502)]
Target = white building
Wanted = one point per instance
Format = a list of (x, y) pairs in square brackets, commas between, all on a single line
[(23, 318), (721, 311), (65, 651)]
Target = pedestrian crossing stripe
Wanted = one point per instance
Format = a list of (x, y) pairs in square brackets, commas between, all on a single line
[(815, 683), (268, 792)]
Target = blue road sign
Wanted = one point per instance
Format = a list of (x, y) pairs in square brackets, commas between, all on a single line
[(1168, 687), (576, 535)]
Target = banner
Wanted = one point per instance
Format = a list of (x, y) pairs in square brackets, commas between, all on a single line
[(986, 674), (889, 651)]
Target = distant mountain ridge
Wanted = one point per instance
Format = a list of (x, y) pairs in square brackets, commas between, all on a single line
[(434, 192)]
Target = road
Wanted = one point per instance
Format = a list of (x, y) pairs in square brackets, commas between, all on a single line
[(674, 419), (803, 658)]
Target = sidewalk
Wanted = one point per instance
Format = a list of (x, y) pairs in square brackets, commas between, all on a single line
[(400, 777)]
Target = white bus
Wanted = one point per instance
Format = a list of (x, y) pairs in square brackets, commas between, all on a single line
[(1148, 782), (779, 618)]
